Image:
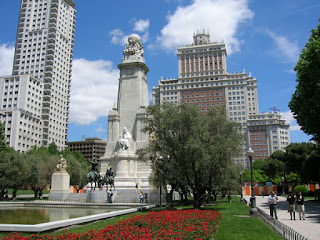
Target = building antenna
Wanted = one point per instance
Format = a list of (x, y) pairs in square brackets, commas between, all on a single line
[(274, 109)]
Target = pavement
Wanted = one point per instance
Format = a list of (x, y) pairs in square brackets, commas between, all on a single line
[(309, 228)]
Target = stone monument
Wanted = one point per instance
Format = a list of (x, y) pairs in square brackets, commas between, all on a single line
[(60, 182), (125, 121)]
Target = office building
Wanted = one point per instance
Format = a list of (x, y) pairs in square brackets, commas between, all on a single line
[(203, 80), (268, 132), (91, 147), (35, 99)]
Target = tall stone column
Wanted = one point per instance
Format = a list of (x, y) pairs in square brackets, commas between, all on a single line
[(125, 121)]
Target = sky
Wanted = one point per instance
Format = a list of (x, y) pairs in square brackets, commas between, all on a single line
[(264, 37)]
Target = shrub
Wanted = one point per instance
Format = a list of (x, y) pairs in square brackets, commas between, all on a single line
[(300, 188), (317, 194)]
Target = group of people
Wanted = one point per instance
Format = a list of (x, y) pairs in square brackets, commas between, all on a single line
[(293, 200), (299, 200)]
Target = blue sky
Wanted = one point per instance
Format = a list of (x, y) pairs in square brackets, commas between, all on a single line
[(263, 37)]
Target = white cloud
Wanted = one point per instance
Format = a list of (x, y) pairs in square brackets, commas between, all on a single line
[(6, 59), (221, 17), (290, 119), (94, 90), (100, 130), (289, 50), (141, 25), (118, 37)]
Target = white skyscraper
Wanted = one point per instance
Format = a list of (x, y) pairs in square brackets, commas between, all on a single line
[(35, 99)]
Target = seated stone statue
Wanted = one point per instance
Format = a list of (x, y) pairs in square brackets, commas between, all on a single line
[(124, 139), (62, 165)]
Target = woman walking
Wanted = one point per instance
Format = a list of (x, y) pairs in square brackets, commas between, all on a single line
[(300, 204), (292, 207)]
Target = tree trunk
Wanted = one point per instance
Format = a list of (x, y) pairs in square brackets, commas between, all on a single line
[(196, 201), (14, 194)]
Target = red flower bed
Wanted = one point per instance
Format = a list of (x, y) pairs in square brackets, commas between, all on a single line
[(180, 224)]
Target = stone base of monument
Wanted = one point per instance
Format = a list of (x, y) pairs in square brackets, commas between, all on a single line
[(96, 196), (60, 183)]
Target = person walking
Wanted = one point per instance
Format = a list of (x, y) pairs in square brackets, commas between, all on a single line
[(110, 194), (300, 205), (141, 197), (272, 199), (292, 207)]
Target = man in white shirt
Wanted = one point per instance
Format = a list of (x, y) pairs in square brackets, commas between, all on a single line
[(273, 204)]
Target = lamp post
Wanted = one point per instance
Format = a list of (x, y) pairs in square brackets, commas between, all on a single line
[(282, 185), (253, 209), (160, 202), (241, 194)]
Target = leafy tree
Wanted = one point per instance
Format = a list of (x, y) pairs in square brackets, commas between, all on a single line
[(77, 171), (53, 149), (14, 170), (306, 109), (257, 174), (3, 144), (296, 158), (200, 146), (272, 168)]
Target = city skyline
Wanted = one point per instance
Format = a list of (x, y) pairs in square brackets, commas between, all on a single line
[(266, 46)]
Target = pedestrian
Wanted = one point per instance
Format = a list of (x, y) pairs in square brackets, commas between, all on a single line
[(262, 193), (229, 196), (300, 204), (273, 198), (137, 188), (109, 194), (292, 207), (141, 197)]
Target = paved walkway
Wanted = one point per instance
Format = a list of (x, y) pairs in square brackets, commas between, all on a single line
[(310, 228)]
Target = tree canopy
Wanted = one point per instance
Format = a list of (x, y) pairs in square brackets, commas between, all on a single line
[(305, 102), (196, 149)]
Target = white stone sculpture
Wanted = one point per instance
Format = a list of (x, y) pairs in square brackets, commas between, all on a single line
[(134, 46), (62, 165), (124, 138)]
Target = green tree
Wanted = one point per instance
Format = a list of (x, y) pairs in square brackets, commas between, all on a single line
[(296, 159), (3, 144), (200, 147), (14, 170), (53, 149), (306, 109)]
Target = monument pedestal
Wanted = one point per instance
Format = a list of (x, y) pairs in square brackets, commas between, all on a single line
[(60, 183), (96, 196)]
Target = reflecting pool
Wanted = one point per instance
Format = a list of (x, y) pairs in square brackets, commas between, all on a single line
[(43, 214)]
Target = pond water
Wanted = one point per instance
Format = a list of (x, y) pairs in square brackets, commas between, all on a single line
[(40, 214)]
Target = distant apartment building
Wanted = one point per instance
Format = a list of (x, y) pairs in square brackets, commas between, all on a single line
[(34, 101), (267, 132), (91, 148), (203, 80)]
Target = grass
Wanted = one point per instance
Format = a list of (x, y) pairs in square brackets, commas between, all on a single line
[(236, 223), (25, 192)]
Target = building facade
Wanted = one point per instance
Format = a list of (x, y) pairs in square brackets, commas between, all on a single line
[(203, 80), (91, 148), (268, 132), (41, 76)]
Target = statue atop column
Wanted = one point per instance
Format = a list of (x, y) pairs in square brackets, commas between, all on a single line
[(134, 46)]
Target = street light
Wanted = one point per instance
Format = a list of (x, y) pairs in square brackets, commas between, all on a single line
[(160, 158), (253, 209), (241, 194)]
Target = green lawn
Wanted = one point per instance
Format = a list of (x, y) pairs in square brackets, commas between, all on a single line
[(25, 192), (236, 223)]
